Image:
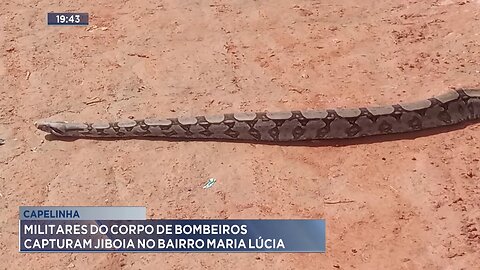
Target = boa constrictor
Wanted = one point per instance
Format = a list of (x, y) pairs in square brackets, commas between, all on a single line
[(447, 109)]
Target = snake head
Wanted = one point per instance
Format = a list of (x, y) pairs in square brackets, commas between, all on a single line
[(55, 128)]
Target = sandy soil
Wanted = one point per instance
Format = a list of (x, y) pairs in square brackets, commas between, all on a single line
[(415, 200)]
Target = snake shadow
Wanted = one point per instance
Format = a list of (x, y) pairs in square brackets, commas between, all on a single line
[(313, 143)]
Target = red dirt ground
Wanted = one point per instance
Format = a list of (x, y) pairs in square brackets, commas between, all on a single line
[(416, 201)]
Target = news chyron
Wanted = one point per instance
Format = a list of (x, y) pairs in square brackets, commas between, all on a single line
[(126, 229)]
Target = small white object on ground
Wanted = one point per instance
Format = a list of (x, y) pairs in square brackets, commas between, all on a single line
[(209, 183)]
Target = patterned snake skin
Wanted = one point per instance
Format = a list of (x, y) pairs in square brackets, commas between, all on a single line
[(450, 108)]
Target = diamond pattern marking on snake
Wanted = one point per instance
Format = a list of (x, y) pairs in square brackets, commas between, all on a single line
[(303, 121), (171, 133), (445, 117), (188, 132), (255, 134), (206, 132), (353, 130), (385, 127), (231, 133), (187, 129), (251, 123), (274, 133), (298, 132), (229, 123), (321, 133), (415, 123), (204, 125)]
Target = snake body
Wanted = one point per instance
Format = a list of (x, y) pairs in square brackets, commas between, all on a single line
[(447, 109)]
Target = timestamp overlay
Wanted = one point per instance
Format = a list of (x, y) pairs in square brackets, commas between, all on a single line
[(66, 18)]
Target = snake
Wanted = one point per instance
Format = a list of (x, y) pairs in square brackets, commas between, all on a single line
[(450, 108)]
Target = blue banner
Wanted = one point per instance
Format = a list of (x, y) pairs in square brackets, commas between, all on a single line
[(172, 235)]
